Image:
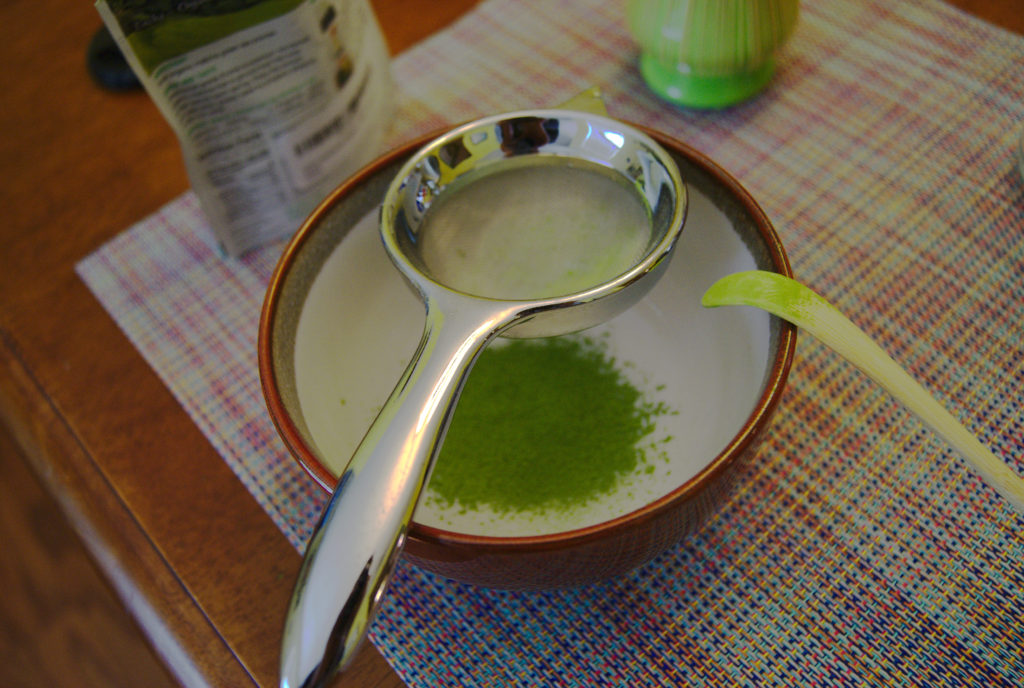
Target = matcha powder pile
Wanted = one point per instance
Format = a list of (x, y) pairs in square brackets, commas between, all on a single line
[(544, 424)]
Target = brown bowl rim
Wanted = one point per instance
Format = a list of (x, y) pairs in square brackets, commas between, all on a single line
[(756, 421)]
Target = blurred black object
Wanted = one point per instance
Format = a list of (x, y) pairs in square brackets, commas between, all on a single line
[(107, 65)]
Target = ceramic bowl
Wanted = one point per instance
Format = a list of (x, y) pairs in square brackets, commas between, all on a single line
[(339, 325)]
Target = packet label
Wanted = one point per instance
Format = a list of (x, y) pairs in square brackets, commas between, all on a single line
[(274, 102)]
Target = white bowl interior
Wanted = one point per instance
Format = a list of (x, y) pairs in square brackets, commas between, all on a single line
[(360, 323)]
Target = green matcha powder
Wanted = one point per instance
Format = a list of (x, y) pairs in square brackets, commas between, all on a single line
[(545, 424)]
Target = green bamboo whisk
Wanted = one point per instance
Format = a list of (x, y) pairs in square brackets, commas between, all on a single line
[(709, 53)]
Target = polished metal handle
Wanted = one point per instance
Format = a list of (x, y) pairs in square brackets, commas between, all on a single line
[(354, 548)]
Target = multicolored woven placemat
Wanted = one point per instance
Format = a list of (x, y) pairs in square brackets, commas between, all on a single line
[(860, 551)]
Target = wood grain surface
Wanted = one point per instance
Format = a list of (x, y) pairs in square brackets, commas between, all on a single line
[(185, 549), (60, 623)]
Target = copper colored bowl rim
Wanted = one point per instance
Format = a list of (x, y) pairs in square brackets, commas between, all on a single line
[(755, 423)]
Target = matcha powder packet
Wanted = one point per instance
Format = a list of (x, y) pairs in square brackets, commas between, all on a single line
[(274, 102)]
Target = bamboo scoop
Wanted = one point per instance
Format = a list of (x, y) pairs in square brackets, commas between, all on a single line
[(796, 303)]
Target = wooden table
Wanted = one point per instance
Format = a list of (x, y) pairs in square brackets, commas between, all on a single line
[(193, 557)]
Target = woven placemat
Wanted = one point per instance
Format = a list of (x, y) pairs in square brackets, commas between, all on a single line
[(860, 550)]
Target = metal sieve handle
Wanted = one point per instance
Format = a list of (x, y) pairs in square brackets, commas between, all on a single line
[(354, 548)]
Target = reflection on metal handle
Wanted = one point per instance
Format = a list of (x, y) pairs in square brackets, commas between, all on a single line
[(354, 548)]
